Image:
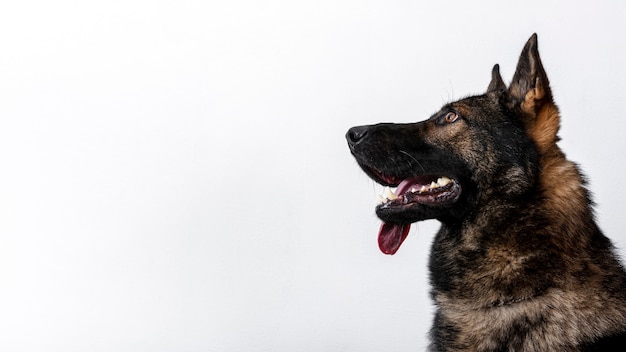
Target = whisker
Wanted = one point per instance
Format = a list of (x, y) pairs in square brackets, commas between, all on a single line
[(413, 158)]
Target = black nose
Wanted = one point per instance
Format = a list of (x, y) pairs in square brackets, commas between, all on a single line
[(355, 135)]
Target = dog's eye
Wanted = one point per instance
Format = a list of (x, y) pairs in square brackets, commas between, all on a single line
[(450, 117)]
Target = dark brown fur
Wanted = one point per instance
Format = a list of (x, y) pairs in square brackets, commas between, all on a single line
[(519, 263)]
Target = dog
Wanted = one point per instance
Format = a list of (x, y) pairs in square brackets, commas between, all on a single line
[(519, 263)]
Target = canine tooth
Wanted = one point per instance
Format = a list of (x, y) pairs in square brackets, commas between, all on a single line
[(433, 185), (381, 200), (390, 195), (442, 181)]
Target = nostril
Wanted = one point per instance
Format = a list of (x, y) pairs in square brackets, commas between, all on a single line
[(356, 134)]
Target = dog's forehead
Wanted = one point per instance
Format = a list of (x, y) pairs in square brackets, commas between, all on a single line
[(474, 106), (457, 106), (461, 107)]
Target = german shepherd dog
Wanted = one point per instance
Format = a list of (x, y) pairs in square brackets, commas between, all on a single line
[(519, 263)]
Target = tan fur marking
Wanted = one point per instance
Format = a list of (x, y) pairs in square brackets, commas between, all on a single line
[(561, 183), (546, 126), (544, 115), (561, 311), (505, 263)]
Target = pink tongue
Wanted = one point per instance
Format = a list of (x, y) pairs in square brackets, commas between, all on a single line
[(391, 236)]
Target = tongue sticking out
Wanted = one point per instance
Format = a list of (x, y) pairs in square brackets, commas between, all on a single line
[(391, 236)]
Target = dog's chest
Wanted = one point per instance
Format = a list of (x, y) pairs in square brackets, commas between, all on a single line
[(556, 321)]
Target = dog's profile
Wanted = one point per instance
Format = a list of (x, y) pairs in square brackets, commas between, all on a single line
[(519, 263)]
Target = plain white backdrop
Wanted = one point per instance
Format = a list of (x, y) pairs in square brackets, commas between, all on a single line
[(174, 175)]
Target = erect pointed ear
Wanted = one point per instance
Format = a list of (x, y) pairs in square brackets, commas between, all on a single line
[(530, 91), (496, 83), (530, 79)]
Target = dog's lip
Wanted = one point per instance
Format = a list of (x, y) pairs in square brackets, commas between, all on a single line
[(418, 191), (426, 185), (385, 179)]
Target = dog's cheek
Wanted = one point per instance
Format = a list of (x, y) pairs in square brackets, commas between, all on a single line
[(471, 147), (513, 182), (453, 138)]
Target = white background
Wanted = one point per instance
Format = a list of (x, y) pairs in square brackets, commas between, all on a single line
[(174, 175)]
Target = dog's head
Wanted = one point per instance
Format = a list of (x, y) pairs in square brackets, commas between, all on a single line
[(473, 151)]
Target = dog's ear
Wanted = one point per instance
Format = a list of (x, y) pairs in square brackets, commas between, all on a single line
[(530, 82), (530, 92), (496, 84)]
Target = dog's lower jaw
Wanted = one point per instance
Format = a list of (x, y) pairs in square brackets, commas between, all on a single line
[(396, 223)]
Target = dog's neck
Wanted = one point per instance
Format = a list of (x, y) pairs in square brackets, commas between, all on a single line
[(512, 301)]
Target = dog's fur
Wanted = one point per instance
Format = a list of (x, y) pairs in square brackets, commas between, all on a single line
[(519, 263)]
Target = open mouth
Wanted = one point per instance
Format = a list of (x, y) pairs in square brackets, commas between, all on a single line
[(398, 209), (424, 190)]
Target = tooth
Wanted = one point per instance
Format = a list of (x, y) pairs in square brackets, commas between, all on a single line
[(423, 189), (390, 195), (442, 181), (413, 190), (381, 200), (433, 185)]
